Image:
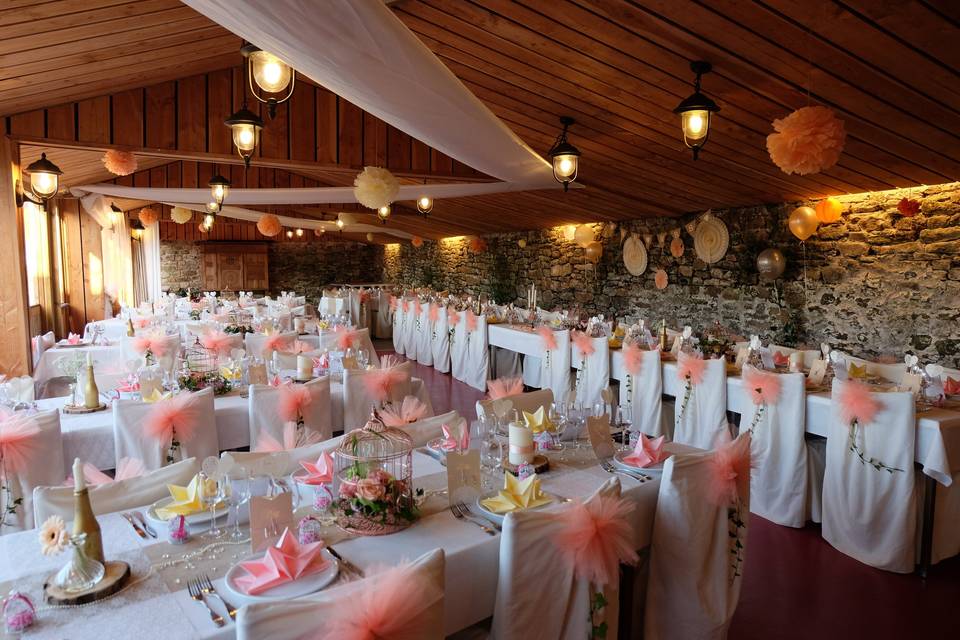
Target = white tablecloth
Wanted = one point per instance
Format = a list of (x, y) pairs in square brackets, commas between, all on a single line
[(107, 360)]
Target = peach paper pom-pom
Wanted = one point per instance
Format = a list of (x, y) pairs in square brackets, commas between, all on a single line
[(808, 140), (119, 163), (660, 279), (148, 216), (269, 224)]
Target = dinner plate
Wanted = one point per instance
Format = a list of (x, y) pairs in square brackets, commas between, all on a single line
[(498, 517), (63, 344), (655, 470), (194, 518), (300, 587)]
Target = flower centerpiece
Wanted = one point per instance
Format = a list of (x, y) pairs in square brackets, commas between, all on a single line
[(717, 342), (374, 477)]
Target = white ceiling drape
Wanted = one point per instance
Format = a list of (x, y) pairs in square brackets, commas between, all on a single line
[(116, 254)]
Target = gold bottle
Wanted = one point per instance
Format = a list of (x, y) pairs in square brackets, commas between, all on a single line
[(91, 394), (664, 340), (85, 522), (130, 331)]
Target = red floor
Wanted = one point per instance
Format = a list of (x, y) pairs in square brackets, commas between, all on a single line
[(795, 585)]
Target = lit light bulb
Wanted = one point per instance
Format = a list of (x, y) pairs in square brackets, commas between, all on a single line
[(289, 233), (383, 213), (43, 184), (270, 72), (566, 165), (339, 223), (245, 136), (299, 233), (695, 125), (425, 204), (208, 220)]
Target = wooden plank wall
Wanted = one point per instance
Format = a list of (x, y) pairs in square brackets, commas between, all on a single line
[(187, 115), (83, 259), (15, 358)]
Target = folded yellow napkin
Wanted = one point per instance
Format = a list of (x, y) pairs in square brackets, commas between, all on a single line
[(516, 494), (538, 421), (230, 373), (186, 500), (156, 396), (858, 371)]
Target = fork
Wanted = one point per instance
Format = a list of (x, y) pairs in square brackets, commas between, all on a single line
[(465, 510), (609, 467), (207, 588), (454, 509), (197, 594)]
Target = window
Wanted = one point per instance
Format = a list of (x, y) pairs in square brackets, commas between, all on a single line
[(36, 245)]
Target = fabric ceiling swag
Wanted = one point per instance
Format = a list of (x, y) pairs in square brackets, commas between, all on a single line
[(362, 52)]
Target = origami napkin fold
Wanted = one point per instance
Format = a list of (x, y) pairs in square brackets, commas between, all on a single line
[(186, 500), (780, 359), (73, 338), (156, 396), (517, 494), (647, 452), (951, 387), (320, 472), (857, 371), (285, 562), (538, 421)]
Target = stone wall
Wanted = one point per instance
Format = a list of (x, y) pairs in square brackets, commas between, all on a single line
[(181, 265), (874, 283)]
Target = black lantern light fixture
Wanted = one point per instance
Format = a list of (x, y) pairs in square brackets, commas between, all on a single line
[(384, 213), (424, 203), (695, 111), (44, 181), (270, 75), (245, 126), (565, 156), (219, 188)]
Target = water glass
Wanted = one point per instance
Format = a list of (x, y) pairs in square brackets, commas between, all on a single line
[(626, 423), (239, 478), (213, 491)]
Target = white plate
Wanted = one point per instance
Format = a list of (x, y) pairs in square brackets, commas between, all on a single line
[(655, 470), (304, 586), (498, 517), (196, 518), (63, 344)]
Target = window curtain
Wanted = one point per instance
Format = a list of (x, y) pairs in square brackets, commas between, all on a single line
[(139, 273), (117, 251), (150, 250)]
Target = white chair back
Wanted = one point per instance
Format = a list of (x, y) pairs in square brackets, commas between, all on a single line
[(477, 358), (424, 336), (440, 346), (399, 325), (411, 334), (778, 489), (458, 347), (328, 342), (131, 441), (383, 325), (871, 514), (594, 375), (265, 416), (43, 466), (357, 401), (255, 342), (695, 561), (643, 392), (427, 429), (119, 495), (171, 351), (529, 401), (40, 344), (555, 368), (705, 415), (281, 462)]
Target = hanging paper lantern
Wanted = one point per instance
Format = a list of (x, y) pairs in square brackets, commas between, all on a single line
[(583, 235), (375, 187), (803, 222), (148, 216), (676, 247), (594, 250), (203, 228), (660, 279), (181, 215), (119, 163), (809, 140), (771, 263), (522, 243), (829, 210), (416, 241), (369, 237), (908, 208), (477, 244), (269, 225)]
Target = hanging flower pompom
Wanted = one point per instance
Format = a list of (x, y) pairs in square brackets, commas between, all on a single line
[(809, 140), (416, 241), (181, 215), (660, 279), (375, 187), (908, 208), (269, 225), (148, 216), (477, 244), (119, 163), (676, 247)]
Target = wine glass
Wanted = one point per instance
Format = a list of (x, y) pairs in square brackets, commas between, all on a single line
[(212, 490), (557, 415), (363, 358), (626, 423), (239, 478)]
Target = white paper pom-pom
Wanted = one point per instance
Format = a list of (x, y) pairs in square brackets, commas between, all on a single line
[(375, 187), (181, 215)]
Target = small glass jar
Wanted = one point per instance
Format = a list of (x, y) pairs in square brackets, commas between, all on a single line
[(18, 613), (179, 531)]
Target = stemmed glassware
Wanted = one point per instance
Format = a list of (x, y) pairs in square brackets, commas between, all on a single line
[(558, 416), (363, 358), (491, 449), (625, 423), (239, 478), (213, 490)]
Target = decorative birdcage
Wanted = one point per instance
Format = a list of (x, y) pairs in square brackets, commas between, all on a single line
[(200, 369), (375, 480), (199, 359)]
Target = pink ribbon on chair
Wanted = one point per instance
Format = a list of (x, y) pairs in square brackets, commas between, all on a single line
[(857, 403), (275, 342), (178, 414), (471, 321), (217, 341), (294, 398), (381, 382), (504, 387), (405, 306), (453, 316), (410, 410), (153, 343), (729, 469), (434, 312), (549, 340), (417, 307), (596, 537), (18, 442), (583, 343), (346, 338), (764, 388), (690, 366), (632, 358)]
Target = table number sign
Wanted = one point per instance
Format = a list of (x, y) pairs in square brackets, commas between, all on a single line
[(463, 475), (598, 430), (268, 518)]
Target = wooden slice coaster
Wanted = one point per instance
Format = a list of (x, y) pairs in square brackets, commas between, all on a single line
[(116, 576), (539, 463), (69, 408)]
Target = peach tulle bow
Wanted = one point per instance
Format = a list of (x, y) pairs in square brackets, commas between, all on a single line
[(453, 316), (127, 468), (857, 403), (380, 383), (293, 399), (583, 343), (155, 344), (764, 388), (346, 338), (275, 342), (142, 323), (217, 341), (18, 443), (410, 410), (632, 358), (729, 468), (596, 537), (434, 313), (266, 443), (179, 414), (417, 307), (504, 387), (405, 306), (471, 321), (389, 606), (549, 340), (690, 366)]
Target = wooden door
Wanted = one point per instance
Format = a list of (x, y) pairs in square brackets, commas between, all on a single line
[(255, 268), (211, 281), (230, 271)]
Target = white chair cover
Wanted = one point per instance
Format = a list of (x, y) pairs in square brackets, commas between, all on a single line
[(256, 341), (399, 327), (328, 342), (441, 342), (357, 402), (694, 582), (477, 365), (532, 371), (169, 359), (356, 317), (289, 620), (559, 607), (555, 369), (411, 334), (529, 402), (264, 403), (120, 495), (706, 412), (281, 462), (40, 344), (425, 336), (288, 361), (130, 441), (778, 479), (383, 325), (458, 348), (644, 394), (871, 514), (594, 372), (427, 429), (44, 467)]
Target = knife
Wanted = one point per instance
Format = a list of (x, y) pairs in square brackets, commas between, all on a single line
[(136, 527), (143, 523)]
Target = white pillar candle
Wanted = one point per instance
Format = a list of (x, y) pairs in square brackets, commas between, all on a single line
[(304, 367), (78, 483), (796, 361), (521, 444)]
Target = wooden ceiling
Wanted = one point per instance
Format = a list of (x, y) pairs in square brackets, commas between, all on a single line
[(888, 68)]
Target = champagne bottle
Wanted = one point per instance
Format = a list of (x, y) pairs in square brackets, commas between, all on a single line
[(91, 394), (83, 519), (664, 340), (130, 331)]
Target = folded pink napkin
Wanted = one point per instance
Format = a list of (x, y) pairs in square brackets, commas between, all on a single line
[(780, 359), (451, 441), (951, 387), (285, 562), (320, 472), (73, 338), (647, 452)]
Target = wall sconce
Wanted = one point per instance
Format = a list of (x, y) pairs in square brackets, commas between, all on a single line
[(136, 230), (44, 182), (695, 111), (270, 74), (299, 232)]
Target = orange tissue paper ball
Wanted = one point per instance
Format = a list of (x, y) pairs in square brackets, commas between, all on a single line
[(269, 225), (829, 210), (119, 163), (809, 140), (416, 241), (148, 216)]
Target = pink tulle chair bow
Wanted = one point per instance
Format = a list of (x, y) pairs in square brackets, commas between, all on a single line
[(453, 316), (596, 537), (729, 469), (380, 383), (142, 323), (19, 446), (217, 341), (153, 343), (417, 307), (405, 306), (471, 321), (549, 340), (346, 338), (410, 410), (583, 343), (127, 468), (692, 367), (266, 443), (504, 387), (294, 398), (632, 358), (434, 313), (764, 388), (275, 342), (178, 415), (857, 403)]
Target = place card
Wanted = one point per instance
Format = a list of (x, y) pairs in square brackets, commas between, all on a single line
[(268, 518), (675, 349), (766, 357), (817, 372), (910, 382), (601, 440), (742, 354), (463, 476)]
